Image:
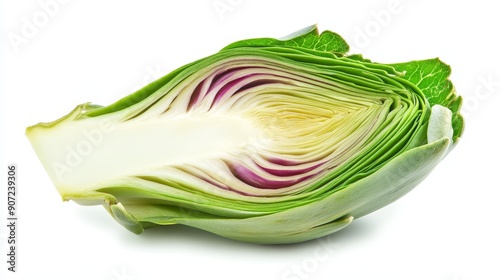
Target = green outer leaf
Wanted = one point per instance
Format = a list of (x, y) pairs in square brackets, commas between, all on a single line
[(307, 38), (389, 183), (139, 95), (125, 218), (431, 77)]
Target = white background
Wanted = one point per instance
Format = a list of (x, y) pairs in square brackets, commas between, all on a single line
[(79, 51)]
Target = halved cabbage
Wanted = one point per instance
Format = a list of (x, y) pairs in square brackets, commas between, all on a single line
[(267, 141)]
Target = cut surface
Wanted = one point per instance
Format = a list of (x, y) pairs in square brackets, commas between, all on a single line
[(79, 150), (266, 131), (269, 141)]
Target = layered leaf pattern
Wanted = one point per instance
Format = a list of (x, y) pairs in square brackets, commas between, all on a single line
[(268, 140)]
